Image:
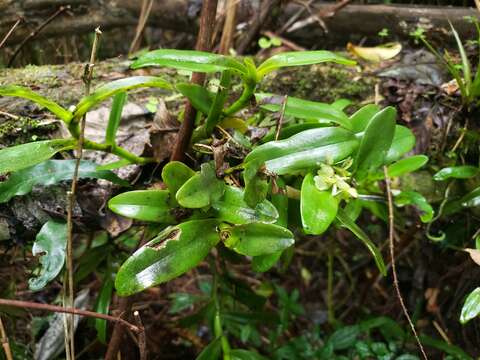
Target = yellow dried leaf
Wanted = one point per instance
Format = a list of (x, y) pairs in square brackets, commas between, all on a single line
[(376, 53), (474, 254)]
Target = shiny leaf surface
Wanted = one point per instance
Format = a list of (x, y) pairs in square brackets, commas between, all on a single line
[(456, 172), (175, 174), (407, 165), (418, 200), (471, 307)]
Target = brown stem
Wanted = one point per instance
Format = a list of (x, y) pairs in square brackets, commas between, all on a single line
[(4, 340), (35, 32), (391, 233), (228, 32), (279, 125), (125, 304), (204, 43), (142, 340), (69, 310)]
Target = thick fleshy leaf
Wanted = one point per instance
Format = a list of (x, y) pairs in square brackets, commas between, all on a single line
[(50, 244), (145, 205), (456, 172), (355, 229), (290, 130), (318, 208), (471, 307), (117, 86), (51, 172), (201, 189), (362, 117), (176, 250), (298, 58), (115, 117), (22, 156), (200, 97), (376, 142), (403, 141), (305, 140), (190, 60), (407, 165), (418, 200), (341, 104), (256, 239), (26, 93), (232, 208), (212, 351), (256, 185), (102, 306), (303, 109), (175, 174)]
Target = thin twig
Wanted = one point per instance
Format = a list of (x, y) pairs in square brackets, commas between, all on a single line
[(71, 194), (4, 340), (10, 32), (68, 310), (391, 231), (142, 340), (35, 32), (278, 128), (144, 14)]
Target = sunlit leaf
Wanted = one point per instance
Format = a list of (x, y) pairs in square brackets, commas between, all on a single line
[(471, 307), (456, 172), (297, 58), (145, 205), (26, 93), (318, 208), (50, 245), (51, 172), (22, 156), (173, 252)]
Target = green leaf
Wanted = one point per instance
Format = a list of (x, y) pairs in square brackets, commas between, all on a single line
[(51, 172), (290, 130), (145, 205), (375, 142), (303, 109), (118, 86), (22, 156), (212, 351), (472, 199), (241, 354), (50, 244), (201, 189), (298, 58), (467, 72), (256, 185), (233, 209), (102, 307), (418, 200), (200, 97), (362, 117), (403, 141), (115, 117), (26, 93), (263, 263), (344, 337), (175, 174), (176, 250), (256, 239), (197, 61), (318, 208), (350, 225), (341, 104), (471, 307), (456, 172), (407, 165)]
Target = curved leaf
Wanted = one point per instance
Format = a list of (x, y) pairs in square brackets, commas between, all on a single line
[(26, 93), (176, 250), (212, 351), (298, 58), (318, 208), (50, 244), (114, 87), (201, 189), (290, 130), (471, 307), (22, 156), (102, 306), (418, 200), (256, 239), (51, 172), (200, 97), (456, 172), (191, 60), (233, 209), (403, 141), (343, 218), (362, 117), (472, 199), (256, 185), (303, 109), (145, 205), (407, 165), (115, 117), (175, 174), (375, 143)]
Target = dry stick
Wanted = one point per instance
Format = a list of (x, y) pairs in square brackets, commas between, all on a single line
[(69, 310), (35, 32), (142, 339), (10, 32), (71, 194), (4, 340), (280, 119), (394, 268), (144, 14), (204, 40), (226, 41)]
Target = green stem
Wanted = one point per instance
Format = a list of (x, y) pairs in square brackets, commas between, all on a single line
[(218, 102), (117, 150), (248, 89)]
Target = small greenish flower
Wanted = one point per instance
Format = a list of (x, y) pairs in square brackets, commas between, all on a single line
[(335, 178)]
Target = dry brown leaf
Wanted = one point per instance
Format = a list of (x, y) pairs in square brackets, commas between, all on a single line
[(376, 53)]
